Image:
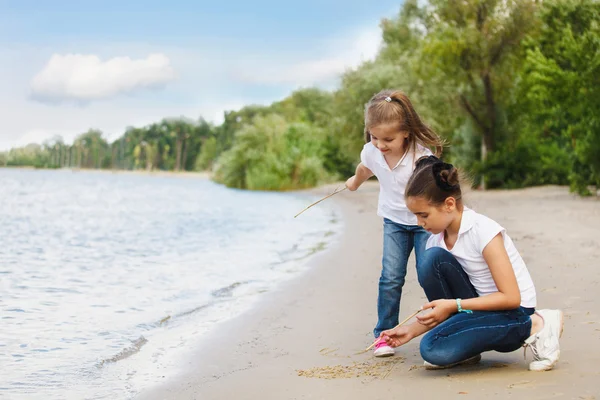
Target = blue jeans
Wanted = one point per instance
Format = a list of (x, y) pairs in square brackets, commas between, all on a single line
[(463, 335), (398, 242)]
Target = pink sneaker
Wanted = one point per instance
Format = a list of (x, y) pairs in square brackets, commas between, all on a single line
[(382, 349)]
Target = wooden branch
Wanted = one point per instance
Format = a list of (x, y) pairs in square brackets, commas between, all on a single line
[(469, 109), (400, 324), (317, 202)]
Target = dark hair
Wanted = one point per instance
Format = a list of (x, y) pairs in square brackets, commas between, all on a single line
[(434, 180), (393, 106)]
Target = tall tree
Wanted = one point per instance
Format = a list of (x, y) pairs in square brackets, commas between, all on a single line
[(471, 53), (560, 87)]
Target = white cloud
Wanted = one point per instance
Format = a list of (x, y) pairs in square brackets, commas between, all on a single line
[(82, 78), (204, 85), (342, 53)]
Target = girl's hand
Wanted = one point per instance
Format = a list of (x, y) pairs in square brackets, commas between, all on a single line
[(397, 337), (442, 309), (351, 183)]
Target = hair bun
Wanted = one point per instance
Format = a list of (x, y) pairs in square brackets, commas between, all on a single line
[(425, 161), (446, 175), (450, 176)]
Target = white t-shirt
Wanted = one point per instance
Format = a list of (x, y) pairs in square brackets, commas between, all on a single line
[(392, 182), (476, 231)]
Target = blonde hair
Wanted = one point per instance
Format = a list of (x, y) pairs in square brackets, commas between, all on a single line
[(393, 106)]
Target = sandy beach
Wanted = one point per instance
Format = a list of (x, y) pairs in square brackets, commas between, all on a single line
[(301, 341)]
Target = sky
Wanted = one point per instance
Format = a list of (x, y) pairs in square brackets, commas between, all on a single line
[(68, 66)]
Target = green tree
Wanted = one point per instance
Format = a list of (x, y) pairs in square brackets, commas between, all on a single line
[(200, 132), (92, 150), (33, 155), (396, 67), (57, 152), (272, 154), (560, 88), (207, 155)]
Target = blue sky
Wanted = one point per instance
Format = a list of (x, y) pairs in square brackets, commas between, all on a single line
[(68, 66)]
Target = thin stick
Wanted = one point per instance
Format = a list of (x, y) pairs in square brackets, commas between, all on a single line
[(317, 202), (400, 324)]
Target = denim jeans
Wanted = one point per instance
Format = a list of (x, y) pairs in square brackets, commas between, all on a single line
[(463, 335), (398, 242)]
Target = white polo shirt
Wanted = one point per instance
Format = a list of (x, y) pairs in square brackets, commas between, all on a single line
[(392, 182), (475, 232)]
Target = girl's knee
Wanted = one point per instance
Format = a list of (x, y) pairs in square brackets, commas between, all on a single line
[(437, 254), (391, 280), (434, 353), (393, 271), (428, 268)]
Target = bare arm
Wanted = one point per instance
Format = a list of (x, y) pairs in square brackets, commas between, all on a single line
[(360, 176), (508, 296), (404, 334)]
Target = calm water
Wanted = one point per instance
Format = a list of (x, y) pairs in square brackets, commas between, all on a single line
[(107, 280)]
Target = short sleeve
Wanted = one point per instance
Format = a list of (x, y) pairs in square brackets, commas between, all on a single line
[(421, 151), (366, 157), (487, 229)]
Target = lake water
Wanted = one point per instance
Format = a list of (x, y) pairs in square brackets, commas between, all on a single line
[(108, 280)]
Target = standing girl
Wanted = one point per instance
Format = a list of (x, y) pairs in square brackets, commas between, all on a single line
[(395, 138), (480, 291)]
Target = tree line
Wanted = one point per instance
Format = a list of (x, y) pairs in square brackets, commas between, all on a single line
[(513, 85)]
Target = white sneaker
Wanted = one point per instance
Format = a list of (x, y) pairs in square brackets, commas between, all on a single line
[(382, 349), (544, 344), (469, 361)]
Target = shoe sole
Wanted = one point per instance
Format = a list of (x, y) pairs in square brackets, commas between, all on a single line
[(469, 361), (383, 355), (562, 328)]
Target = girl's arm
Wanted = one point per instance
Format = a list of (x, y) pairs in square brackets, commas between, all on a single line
[(508, 296), (361, 175), (404, 334)]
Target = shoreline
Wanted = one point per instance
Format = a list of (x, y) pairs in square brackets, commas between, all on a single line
[(300, 341), (595, 192), (182, 174), (213, 369)]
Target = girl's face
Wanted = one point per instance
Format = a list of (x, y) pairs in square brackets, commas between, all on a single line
[(434, 219), (388, 139)]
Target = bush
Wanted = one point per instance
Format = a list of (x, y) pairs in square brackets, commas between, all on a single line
[(527, 163), (271, 154)]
